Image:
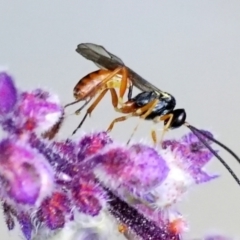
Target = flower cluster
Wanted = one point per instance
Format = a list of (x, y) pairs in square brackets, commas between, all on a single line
[(90, 187)]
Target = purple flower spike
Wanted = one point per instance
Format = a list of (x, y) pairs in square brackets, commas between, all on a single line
[(8, 94), (26, 175), (38, 110), (89, 187), (137, 167), (141, 226), (173, 220)]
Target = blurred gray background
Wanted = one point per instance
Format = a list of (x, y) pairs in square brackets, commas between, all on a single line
[(188, 48)]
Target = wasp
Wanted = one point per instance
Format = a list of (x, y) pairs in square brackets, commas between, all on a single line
[(150, 104), (114, 74)]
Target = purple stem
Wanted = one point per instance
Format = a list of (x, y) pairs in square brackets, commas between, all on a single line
[(135, 221)]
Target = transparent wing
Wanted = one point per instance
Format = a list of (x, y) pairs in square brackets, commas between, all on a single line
[(99, 55), (106, 60)]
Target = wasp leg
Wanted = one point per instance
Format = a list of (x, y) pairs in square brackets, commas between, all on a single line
[(143, 112), (94, 91), (88, 100), (114, 100), (168, 118), (104, 82), (72, 103), (148, 108), (123, 85), (95, 103), (154, 136), (83, 106), (119, 119)]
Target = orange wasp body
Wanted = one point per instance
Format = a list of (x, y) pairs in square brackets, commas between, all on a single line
[(98, 83), (85, 87)]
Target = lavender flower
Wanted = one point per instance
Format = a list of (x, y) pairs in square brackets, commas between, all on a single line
[(26, 176), (8, 94), (90, 188)]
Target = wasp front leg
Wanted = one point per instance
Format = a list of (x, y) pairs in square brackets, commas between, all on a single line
[(132, 111), (168, 118), (123, 86), (144, 112)]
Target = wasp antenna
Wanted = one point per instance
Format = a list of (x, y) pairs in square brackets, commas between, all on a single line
[(198, 134)]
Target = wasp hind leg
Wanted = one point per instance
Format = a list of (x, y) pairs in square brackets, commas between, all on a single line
[(123, 86), (96, 102)]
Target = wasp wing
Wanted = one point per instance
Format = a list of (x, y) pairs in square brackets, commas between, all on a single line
[(106, 60), (99, 55)]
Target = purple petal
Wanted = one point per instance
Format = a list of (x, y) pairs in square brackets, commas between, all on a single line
[(200, 176), (25, 225), (38, 110), (92, 144), (88, 196), (137, 167), (191, 138), (55, 210), (9, 214), (25, 174), (8, 94)]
